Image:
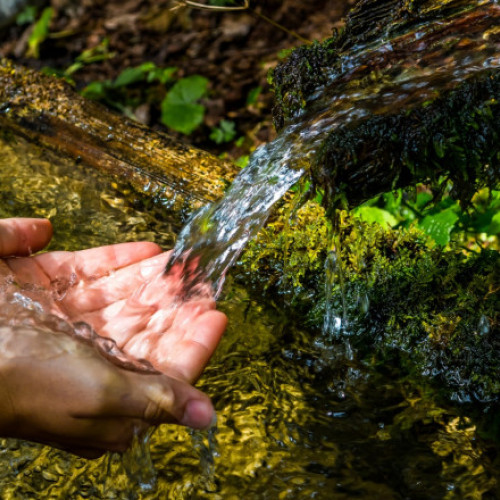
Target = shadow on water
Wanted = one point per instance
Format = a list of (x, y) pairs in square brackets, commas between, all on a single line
[(289, 424)]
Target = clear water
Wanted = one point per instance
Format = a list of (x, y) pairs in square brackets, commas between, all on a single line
[(295, 420), (389, 74), (290, 425)]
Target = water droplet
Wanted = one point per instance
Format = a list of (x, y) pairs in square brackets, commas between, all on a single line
[(483, 327)]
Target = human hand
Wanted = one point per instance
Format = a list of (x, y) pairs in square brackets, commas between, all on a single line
[(121, 292)]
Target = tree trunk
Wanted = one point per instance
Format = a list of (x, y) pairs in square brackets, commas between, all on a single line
[(48, 111)]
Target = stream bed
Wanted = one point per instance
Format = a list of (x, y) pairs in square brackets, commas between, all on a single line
[(294, 420)]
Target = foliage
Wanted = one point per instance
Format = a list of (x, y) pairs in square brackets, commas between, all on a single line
[(180, 110), (242, 161), (39, 33), (224, 132), (438, 215), (27, 15), (253, 95), (434, 312), (96, 54), (177, 99)]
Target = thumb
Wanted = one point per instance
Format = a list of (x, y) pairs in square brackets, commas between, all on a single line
[(20, 236), (168, 400)]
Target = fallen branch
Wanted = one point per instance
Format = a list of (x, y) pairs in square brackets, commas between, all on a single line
[(48, 111)]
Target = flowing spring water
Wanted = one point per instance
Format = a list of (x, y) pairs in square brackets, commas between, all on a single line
[(226, 227), (284, 429), (388, 74)]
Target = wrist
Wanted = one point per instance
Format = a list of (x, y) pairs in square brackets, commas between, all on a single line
[(7, 407)]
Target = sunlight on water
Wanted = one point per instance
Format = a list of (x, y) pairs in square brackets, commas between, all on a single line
[(285, 429), (295, 419)]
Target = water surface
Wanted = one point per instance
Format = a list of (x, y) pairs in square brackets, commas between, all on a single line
[(290, 425)]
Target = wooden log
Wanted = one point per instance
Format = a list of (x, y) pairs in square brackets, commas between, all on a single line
[(48, 111)]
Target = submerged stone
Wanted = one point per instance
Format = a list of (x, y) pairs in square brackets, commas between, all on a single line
[(420, 83)]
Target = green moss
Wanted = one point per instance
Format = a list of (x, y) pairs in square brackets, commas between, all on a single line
[(434, 313), (398, 118)]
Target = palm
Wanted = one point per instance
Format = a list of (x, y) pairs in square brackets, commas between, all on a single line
[(120, 290)]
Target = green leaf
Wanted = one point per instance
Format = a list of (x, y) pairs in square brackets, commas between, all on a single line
[(375, 214), (494, 228), (27, 15), (179, 109), (242, 161), (423, 199), (184, 118), (130, 76), (225, 132), (163, 75), (39, 33), (439, 226), (188, 90), (95, 90), (253, 95)]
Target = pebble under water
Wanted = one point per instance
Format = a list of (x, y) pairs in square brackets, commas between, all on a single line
[(290, 424)]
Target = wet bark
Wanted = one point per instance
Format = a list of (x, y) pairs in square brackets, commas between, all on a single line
[(50, 112)]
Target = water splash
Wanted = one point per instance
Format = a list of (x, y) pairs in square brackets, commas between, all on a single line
[(205, 444), (138, 464)]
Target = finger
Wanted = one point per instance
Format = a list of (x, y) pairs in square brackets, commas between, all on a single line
[(92, 436), (27, 271), (19, 237), (158, 399), (190, 356), (96, 262), (189, 406)]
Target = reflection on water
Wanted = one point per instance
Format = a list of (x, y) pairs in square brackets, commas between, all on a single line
[(58, 189), (289, 426)]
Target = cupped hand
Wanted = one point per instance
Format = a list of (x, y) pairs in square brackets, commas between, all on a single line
[(123, 293)]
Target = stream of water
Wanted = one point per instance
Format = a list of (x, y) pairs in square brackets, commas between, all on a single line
[(388, 74), (289, 426), (285, 429)]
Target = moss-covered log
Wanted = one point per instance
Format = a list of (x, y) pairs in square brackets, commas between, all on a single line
[(48, 111), (421, 80)]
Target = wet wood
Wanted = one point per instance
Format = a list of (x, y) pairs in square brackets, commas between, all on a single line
[(50, 112)]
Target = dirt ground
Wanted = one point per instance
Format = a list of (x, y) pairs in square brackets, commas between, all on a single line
[(234, 50)]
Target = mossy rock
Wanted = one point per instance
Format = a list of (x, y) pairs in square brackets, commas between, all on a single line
[(421, 82), (434, 313)]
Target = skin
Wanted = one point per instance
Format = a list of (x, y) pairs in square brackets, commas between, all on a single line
[(55, 389)]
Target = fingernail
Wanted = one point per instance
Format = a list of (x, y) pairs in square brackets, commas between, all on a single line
[(199, 415)]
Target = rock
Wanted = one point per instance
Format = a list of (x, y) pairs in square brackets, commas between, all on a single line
[(420, 83)]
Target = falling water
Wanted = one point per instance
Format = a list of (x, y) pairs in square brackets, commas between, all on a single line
[(386, 76), (368, 80)]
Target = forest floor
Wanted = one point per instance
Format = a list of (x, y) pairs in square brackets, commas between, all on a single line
[(233, 50)]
